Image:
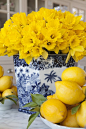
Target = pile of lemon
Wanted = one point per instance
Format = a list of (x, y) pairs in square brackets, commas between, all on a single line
[(70, 92), (6, 85)]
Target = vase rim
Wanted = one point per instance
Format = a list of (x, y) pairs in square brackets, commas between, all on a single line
[(48, 54)]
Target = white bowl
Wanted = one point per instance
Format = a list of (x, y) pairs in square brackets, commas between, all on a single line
[(55, 126), (7, 105)]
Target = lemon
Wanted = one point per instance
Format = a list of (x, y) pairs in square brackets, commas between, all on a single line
[(70, 120), (8, 92), (53, 110), (49, 96), (1, 71), (74, 74), (52, 96), (5, 83), (15, 89), (81, 115), (83, 88), (69, 92), (41, 111)]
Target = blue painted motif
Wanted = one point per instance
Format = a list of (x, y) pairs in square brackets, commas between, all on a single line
[(38, 77), (52, 77)]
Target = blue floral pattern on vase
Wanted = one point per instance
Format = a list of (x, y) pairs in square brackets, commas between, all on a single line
[(38, 77)]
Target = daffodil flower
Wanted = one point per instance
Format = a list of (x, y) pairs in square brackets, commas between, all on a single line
[(42, 32)]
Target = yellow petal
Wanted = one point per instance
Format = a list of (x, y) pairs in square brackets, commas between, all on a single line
[(13, 52), (78, 19), (28, 59), (36, 57), (3, 50), (79, 48), (68, 57), (1, 46), (23, 18), (3, 32), (45, 54), (60, 40), (63, 31), (78, 27), (56, 50), (72, 52), (74, 13)]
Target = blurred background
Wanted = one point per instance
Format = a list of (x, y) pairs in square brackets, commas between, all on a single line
[(10, 7)]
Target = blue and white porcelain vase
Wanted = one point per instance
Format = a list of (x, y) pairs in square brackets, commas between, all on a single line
[(38, 77)]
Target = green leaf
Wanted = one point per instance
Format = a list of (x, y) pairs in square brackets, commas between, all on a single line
[(37, 109), (85, 93), (12, 100), (32, 118), (1, 98), (45, 54), (2, 101), (75, 109), (38, 99), (31, 104), (12, 96)]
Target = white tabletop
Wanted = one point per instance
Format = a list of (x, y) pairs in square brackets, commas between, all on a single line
[(13, 119)]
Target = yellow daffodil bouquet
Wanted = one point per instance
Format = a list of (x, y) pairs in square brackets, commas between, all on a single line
[(43, 32)]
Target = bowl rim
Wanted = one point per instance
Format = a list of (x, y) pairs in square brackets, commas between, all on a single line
[(56, 125)]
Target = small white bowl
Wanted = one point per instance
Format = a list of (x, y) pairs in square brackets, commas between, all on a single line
[(56, 126), (7, 105)]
